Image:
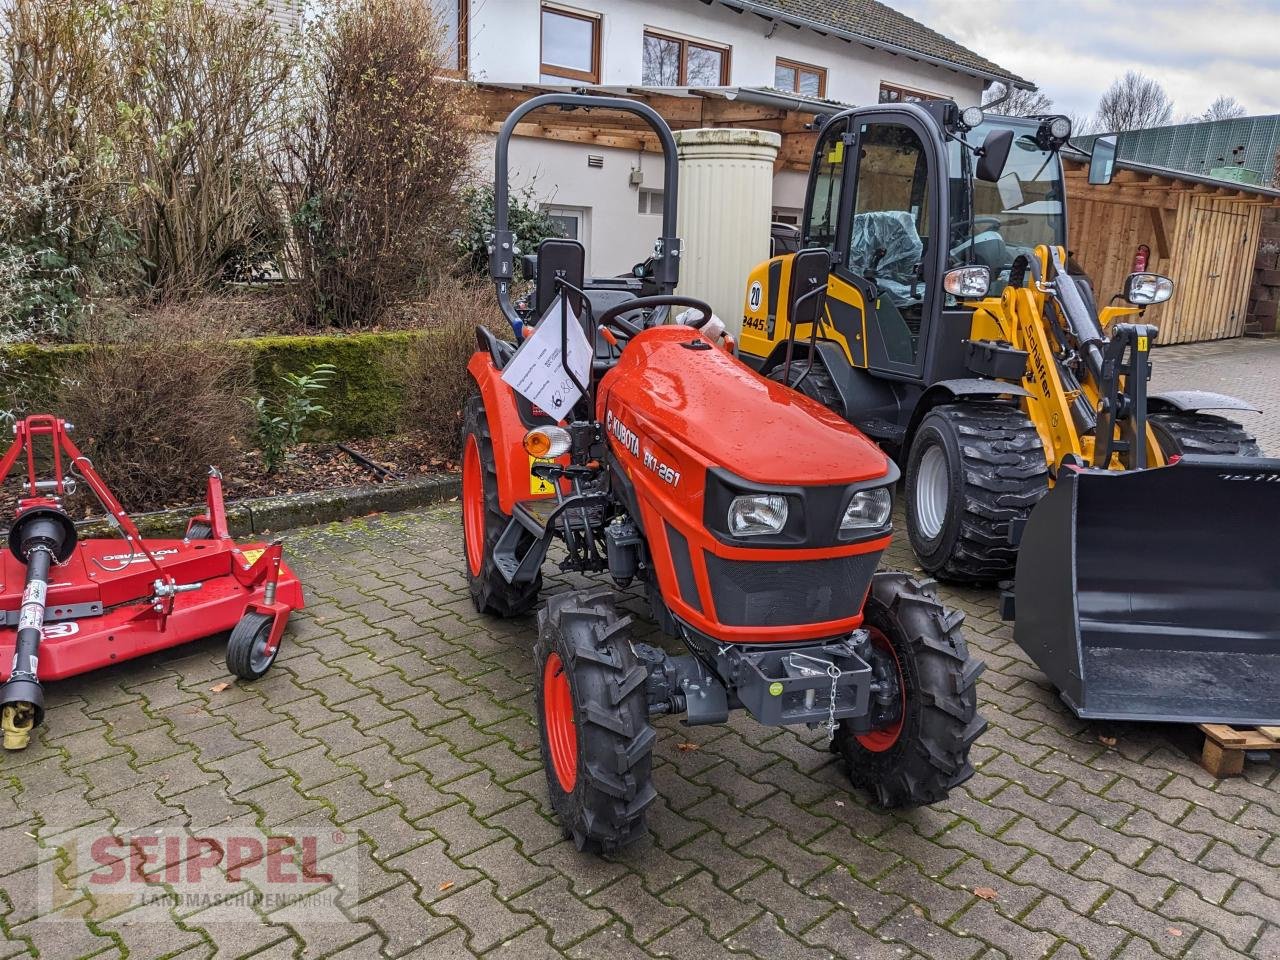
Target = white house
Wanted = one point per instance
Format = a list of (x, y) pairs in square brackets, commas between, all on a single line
[(809, 52)]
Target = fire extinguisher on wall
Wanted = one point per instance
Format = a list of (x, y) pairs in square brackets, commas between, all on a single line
[(1141, 257)]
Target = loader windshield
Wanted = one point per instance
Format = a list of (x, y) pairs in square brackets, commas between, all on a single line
[(1013, 216)]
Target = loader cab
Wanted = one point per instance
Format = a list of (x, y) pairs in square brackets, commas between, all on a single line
[(895, 196), (874, 200)]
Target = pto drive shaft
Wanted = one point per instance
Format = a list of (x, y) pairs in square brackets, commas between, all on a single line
[(41, 536)]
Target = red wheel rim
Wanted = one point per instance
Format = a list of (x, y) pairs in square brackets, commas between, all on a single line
[(878, 741), (473, 506), (557, 715)]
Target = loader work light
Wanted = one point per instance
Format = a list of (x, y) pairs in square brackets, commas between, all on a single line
[(868, 510), (757, 515), (1144, 289), (967, 282), (546, 443)]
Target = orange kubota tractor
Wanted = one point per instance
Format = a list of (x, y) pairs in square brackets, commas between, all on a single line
[(754, 517)]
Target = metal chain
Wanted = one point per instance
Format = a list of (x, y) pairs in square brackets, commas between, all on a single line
[(834, 673)]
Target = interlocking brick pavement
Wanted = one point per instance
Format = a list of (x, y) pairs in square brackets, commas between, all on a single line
[(398, 718), (1245, 368)]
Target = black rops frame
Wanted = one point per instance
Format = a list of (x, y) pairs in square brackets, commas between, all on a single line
[(502, 251)]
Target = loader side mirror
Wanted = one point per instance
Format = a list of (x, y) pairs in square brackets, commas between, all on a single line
[(809, 271), (993, 154), (1102, 161)]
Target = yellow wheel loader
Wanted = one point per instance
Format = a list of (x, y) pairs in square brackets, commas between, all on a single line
[(956, 330)]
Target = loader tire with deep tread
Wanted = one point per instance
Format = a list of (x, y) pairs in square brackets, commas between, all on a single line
[(483, 521), (993, 470), (593, 716), (1181, 433), (813, 381), (925, 755)]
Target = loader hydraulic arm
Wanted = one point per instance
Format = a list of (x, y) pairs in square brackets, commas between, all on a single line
[(1091, 383)]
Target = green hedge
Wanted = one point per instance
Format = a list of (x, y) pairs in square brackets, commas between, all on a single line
[(366, 397)]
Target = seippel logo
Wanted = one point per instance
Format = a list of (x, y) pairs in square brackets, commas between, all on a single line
[(1251, 477)]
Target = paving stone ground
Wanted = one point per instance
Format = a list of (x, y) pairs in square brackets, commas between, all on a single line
[(400, 720)]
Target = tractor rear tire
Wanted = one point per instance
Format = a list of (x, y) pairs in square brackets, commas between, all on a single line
[(925, 755), (483, 521), (1181, 433), (199, 531), (813, 381), (973, 469), (593, 715)]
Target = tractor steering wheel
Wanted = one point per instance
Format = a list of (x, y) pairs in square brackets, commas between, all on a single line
[(613, 316)]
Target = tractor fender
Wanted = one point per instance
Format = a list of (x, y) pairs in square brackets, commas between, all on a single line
[(505, 428), (1190, 401), (961, 388)]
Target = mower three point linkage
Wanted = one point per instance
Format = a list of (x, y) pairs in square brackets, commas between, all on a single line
[(68, 606)]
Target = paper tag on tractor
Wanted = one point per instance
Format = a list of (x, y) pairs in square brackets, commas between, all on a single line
[(536, 371)]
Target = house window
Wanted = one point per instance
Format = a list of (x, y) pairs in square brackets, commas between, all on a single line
[(651, 201), (452, 17), (570, 45), (671, 61), (800, 78), (892, 93)]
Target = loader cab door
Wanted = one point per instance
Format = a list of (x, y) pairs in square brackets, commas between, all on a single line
[(887, 199)]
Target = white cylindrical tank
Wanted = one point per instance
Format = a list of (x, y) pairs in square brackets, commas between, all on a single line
[(723, 214)]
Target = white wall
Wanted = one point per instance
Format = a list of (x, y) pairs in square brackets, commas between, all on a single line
[(505, 48), (619, 235)]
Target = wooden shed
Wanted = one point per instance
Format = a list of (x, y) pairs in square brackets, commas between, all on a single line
[(1202, 233)]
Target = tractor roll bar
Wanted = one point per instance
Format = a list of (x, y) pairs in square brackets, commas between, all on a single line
[(502, 252)]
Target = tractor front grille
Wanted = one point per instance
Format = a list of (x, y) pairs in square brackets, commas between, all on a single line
[(749, 593)]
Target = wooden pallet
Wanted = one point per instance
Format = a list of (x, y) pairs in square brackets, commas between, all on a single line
[(1225, 747)]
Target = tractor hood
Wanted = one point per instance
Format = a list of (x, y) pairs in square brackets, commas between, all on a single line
[(677, 390)]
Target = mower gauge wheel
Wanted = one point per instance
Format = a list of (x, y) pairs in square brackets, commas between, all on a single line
[(248, 653)]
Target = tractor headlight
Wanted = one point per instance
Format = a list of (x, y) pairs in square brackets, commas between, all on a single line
[(757, 515), (868, 510)]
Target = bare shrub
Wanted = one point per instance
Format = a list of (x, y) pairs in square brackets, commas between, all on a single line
[(202, 86), (374, 162), (157, 404), (63, 158), (435, 370)]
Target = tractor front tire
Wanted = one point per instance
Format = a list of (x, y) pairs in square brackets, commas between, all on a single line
[(593, 716), (973, 469), (483, 521), (925, 754), (1181, 433)]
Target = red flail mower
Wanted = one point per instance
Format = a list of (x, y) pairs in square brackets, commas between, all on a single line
[(68, 606)]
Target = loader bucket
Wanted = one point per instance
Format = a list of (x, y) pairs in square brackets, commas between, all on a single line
[(1155, 594)]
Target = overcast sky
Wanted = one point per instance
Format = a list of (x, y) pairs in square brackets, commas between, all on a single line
[(1073, 50)]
